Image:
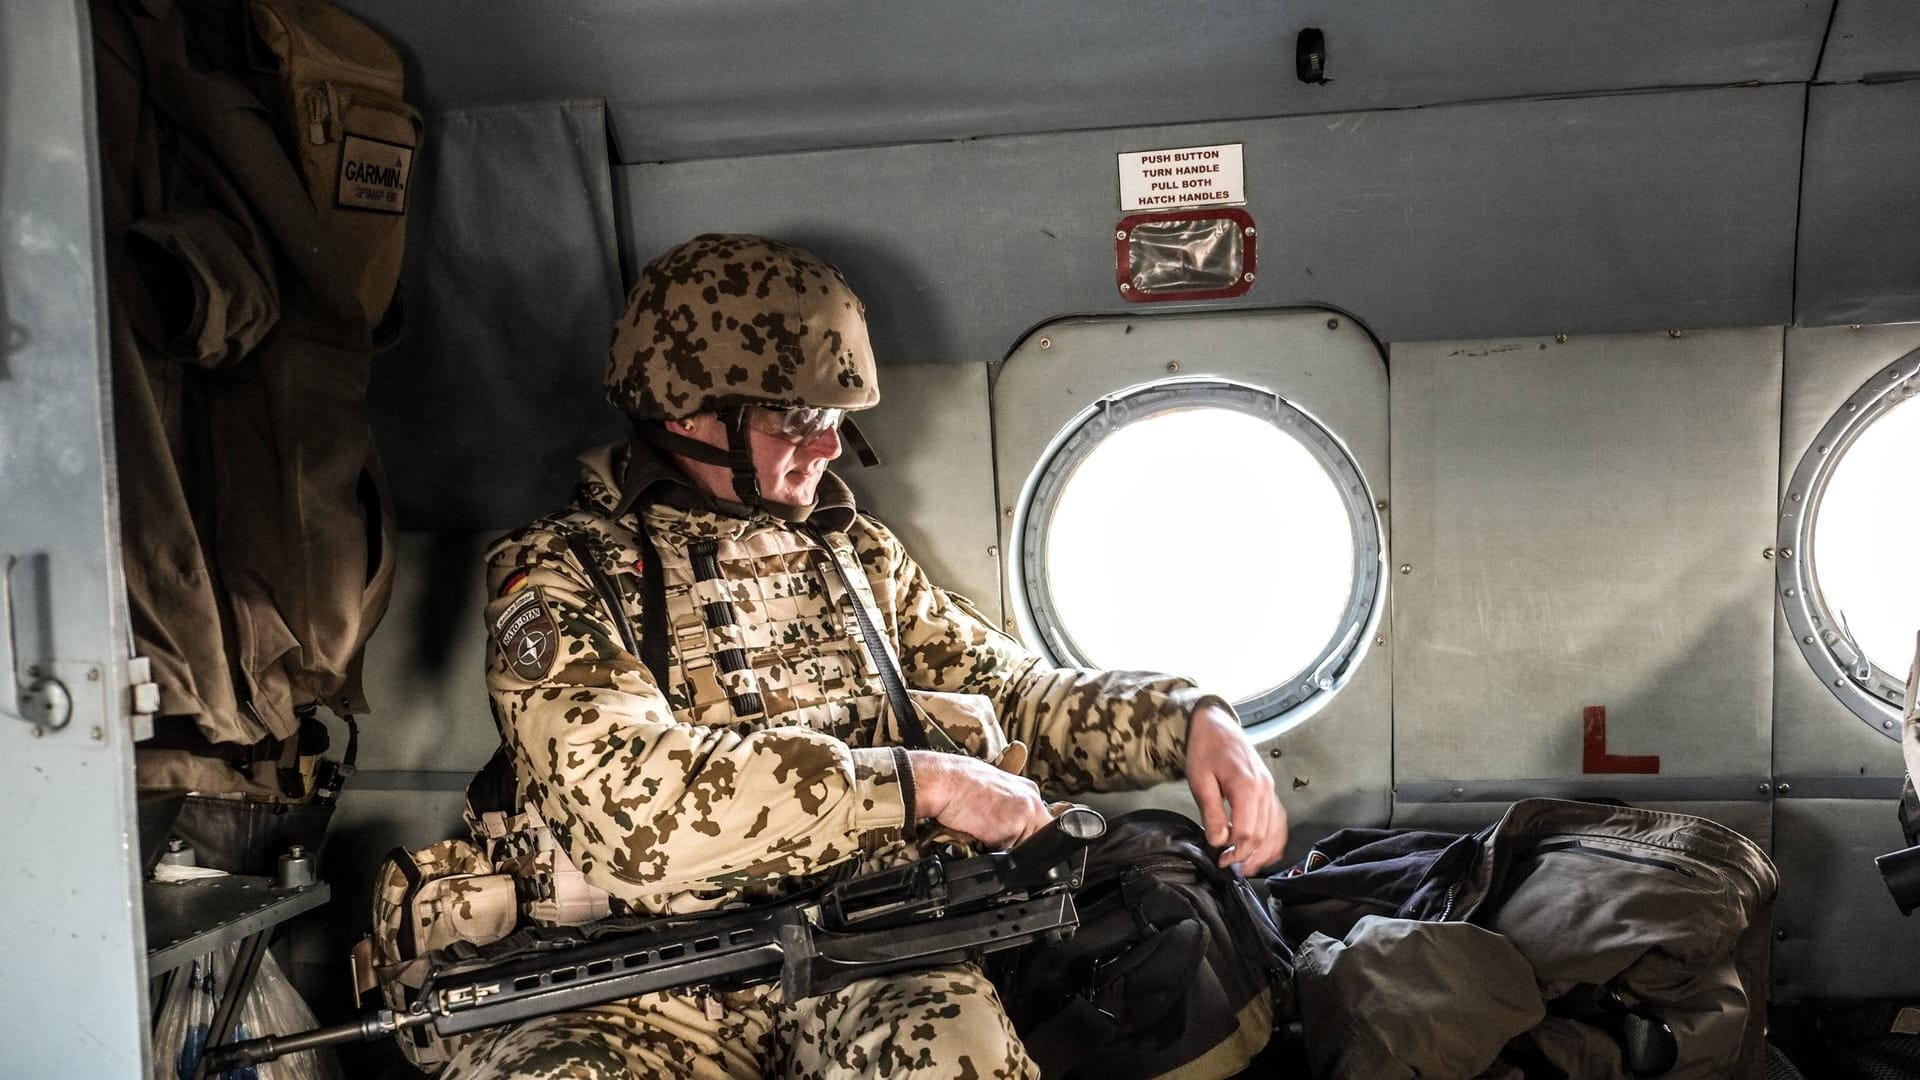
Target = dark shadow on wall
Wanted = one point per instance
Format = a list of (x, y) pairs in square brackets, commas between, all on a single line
[(449, 599), (900, 308), (903, 308), (511, 286)]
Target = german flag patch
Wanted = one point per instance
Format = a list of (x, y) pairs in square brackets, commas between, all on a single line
[(514, 583)]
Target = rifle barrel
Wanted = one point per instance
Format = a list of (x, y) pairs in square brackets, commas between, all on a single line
[(272, 1047)]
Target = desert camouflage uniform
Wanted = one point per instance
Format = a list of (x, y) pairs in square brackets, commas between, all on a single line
[(769, 757)]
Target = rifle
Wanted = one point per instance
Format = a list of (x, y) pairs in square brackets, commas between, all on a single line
[(923, 914)]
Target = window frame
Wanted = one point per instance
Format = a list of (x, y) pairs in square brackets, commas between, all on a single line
[(1873, 694), (1301, 692)]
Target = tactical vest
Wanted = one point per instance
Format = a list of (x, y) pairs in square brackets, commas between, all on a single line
[(759, 631)]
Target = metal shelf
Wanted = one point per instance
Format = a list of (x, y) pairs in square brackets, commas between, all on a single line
[(191, 918)]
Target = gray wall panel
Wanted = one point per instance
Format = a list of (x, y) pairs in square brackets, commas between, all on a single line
[(1634, 212), (1871, 38), (700, 79), (1814, 733), (1583, 523), (1860, 206), (426, 664), (1837, 931), (934, 484), (511, 288), (1333, 769), (73, 998)]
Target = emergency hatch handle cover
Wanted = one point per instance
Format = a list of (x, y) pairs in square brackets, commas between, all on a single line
[(9, 679)]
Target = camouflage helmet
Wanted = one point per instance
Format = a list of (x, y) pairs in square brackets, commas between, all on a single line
[(726, 320)]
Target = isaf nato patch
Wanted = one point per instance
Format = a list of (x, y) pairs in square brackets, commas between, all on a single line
[(528, 637)]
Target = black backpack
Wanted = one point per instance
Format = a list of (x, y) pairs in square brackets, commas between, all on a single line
[(1176, 967)]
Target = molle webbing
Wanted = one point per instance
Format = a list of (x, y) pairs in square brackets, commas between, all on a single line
[(718, 614)]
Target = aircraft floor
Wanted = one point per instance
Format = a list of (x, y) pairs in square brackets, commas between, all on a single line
[(1803, 1045)]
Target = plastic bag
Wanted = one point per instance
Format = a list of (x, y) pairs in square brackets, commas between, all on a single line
[(272, 1007)]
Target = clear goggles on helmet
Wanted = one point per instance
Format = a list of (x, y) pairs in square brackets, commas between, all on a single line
[(798, 425)]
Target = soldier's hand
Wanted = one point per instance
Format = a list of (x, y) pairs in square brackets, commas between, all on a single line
[(970, 796), (1238, 806)]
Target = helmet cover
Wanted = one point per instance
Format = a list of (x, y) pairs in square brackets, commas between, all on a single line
[(728, 320)]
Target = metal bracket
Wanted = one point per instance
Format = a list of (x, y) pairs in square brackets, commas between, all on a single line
[(145, 696)]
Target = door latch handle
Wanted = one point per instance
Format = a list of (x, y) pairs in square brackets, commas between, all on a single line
[(9, 682), (45, 702)]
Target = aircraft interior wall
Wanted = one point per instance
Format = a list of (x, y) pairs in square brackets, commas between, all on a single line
[(1585, 464), (70, 890), (1576, 300)]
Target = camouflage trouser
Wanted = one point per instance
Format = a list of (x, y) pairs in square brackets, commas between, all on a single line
[(946, 1022)]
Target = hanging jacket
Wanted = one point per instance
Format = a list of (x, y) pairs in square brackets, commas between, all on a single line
[(255, 161), (1556, 942)]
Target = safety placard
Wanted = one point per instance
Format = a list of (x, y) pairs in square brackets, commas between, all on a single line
[(1185, 176)]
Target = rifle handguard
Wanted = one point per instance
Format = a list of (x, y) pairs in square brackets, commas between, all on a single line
[(921, 914)]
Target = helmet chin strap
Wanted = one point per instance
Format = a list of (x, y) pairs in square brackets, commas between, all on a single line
[(737, 458), (746, 479)]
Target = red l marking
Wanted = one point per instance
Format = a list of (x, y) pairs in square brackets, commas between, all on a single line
[(1594, 757)]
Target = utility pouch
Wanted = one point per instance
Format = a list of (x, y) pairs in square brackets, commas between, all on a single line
[(516, 841), (428, 899), (339, 87), (552, 891)]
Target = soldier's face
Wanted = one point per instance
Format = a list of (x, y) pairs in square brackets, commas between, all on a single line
[(788, 472)]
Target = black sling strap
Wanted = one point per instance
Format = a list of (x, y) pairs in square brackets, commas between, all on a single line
[(651, 646), (402, 859), (653, 611), (918, 735)]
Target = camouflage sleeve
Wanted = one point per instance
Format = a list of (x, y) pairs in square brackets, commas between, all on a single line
[(1086, 730), (642, 803)]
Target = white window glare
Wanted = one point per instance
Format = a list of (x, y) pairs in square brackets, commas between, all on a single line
[(1865, 535), (1205, 528), (1202, 541)]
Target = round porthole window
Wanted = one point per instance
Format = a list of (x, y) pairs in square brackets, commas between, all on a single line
[(1848, 528), (1206, 528)]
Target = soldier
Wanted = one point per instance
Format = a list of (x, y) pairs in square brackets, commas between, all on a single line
[(693, 717)]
